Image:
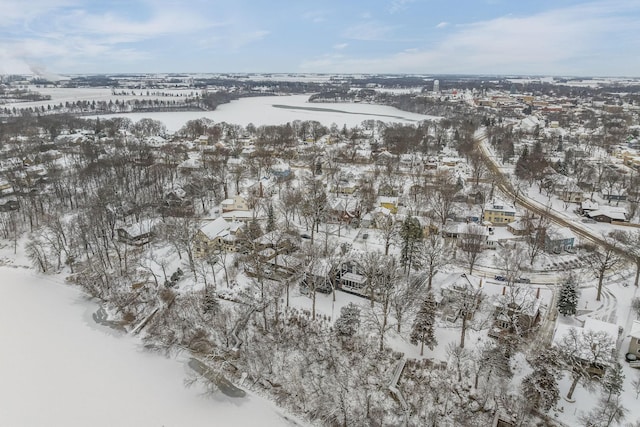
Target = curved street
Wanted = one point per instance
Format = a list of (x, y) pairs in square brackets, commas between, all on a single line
[(503, 183)]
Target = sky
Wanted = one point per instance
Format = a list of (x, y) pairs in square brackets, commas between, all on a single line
[(505, 37)]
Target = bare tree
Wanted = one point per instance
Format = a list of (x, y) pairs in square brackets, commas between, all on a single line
[(631, 243), (389, 231), (442, 196), (473, 242), (604, 259), (536, 230), (435, 255), (511, 259), (478, 167), (465, 305), (383, 274), (582, 351)]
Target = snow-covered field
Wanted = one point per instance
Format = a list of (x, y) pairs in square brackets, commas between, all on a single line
[(63, 95), (274, 110), (59, 368)]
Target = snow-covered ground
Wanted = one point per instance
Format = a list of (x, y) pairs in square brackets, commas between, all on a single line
[(59, 368), (63, 95), (274, 110)]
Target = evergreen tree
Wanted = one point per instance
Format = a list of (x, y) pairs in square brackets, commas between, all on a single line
[(423, 325), (568, 299), (271, 219), (411, 236), (349, 321), (522, 170), (540, 388)]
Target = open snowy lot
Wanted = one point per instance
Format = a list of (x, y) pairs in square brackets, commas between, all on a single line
[(59, 368)]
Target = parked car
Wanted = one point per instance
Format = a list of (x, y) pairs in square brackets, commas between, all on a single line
[(500, 278), (523, 280)]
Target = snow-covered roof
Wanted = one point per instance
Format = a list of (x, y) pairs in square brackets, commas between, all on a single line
[(518, 225), (560, 233), (635, 329), (346, 204), (387, 199), (590, 324), (499, 206), (610, 213), (140, 228), (611, 329), (216, 228), (238, 215), (524, 297)]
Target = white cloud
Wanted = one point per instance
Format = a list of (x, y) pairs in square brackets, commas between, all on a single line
[(340, 46), (21, 12), (316, 16), (398, 5), (370, 30), (555, 41), (442, 25), (121, 29)]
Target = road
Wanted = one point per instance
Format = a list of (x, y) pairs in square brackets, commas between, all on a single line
[(504, 185)]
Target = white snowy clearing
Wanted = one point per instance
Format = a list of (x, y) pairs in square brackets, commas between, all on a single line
[(274, 110), (59, 368)]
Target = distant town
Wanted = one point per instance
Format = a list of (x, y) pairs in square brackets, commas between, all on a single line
[(362, 250)]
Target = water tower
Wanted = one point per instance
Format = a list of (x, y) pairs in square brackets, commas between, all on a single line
[(436, 86)]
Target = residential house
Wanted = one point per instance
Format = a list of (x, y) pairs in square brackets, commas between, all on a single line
[(216, 235), (498, 213), (381, 216), (634, 343), (517, 311), (367, 220), (9, 204), (279, 241), (281, 171), (610, 330), (618, 194), (608, 214), (264, 187), (6, 189), (461, 295), (317, 276), (519, 228), (558, 239), (572, 194), (190, 165), (175, 203), (588, 206), (236, 203), (241, 216), (390, 203), (137, 234), (343, 209), (283, 266), (351, 278), (384, 158), (470, 236)]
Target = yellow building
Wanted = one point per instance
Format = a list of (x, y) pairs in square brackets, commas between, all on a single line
[(390, 203), (499, 213)]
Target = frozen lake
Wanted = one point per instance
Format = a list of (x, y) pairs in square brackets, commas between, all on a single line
[(59, 368), (274, 110)]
